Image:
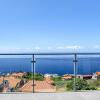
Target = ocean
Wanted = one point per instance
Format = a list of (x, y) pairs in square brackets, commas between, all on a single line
[(59, 66)]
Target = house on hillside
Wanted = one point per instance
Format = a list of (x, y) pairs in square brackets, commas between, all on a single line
[(50, 75), (96, 75), (67, 77), (18, 75), (84, 77)]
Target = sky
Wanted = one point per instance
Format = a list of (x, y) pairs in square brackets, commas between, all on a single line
[(49, 25)]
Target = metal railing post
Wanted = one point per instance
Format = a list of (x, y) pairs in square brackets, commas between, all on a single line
[(75, 71), (33, 69)]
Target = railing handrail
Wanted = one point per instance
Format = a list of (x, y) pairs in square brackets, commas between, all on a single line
[(53, 53)]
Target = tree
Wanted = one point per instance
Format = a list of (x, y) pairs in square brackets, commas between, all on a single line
[(28, 76), (80, 85), (39, 77)]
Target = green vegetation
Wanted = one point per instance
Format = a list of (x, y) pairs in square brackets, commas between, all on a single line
[(95, 83), (28, 76), (59, 83), (59, 78), (37, 76), (80, 85), (67, 85)]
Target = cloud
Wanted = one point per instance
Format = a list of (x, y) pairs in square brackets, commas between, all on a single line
[(8, 49), (73, 47), (48, 48)]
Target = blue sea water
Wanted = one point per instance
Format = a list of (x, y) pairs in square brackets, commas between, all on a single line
[(50, 65)]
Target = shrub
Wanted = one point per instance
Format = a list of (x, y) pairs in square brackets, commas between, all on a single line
[(39, 77), (57, 78), (80, 85)]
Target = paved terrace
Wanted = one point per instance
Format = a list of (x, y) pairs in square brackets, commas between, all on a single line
[(52, 96)]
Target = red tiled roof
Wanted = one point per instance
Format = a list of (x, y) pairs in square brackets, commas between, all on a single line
[(40, 86), (18, 74), (97, 73), (12, 81), (67, 77), (28, 87)]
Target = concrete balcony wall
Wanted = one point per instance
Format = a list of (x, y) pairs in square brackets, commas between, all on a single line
[(93, 95)]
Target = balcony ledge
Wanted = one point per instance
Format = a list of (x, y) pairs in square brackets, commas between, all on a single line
[(92, 95)]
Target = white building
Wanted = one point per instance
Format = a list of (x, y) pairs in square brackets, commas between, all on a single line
[(51, 75)]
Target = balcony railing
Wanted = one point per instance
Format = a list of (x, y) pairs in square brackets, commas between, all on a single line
[(84, 73)]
